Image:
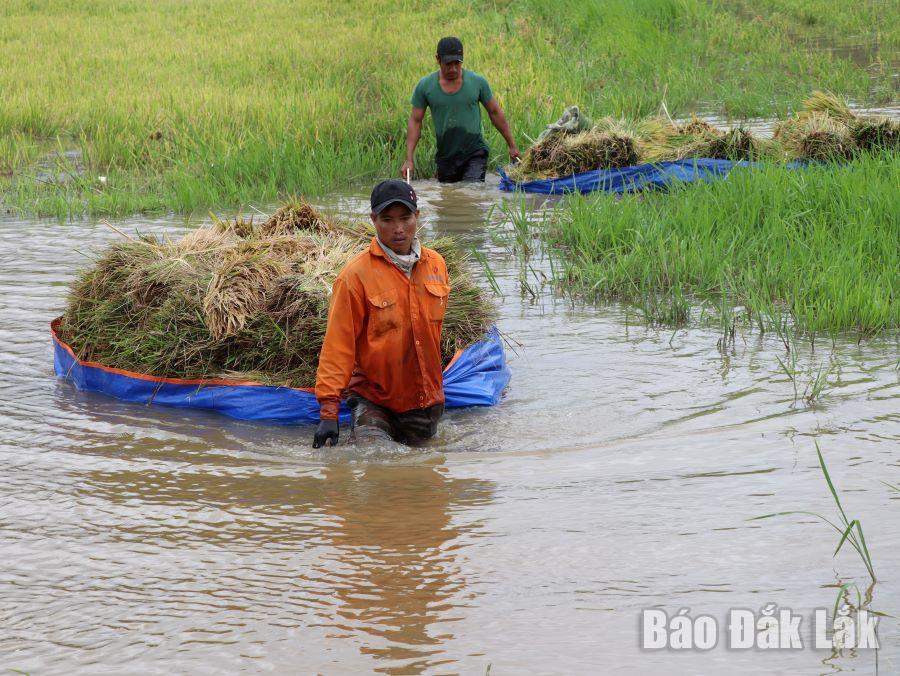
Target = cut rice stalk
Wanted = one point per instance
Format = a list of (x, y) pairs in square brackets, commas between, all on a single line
[(223, 300)]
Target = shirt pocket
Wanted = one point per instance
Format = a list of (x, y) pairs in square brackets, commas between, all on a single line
[(384, 313), (436, 300)]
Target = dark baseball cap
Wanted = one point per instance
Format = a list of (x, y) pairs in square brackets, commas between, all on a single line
[(450, 49), (393, 190)]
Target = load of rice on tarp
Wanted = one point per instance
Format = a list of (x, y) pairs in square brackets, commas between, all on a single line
[(237, 299), (826, 129)]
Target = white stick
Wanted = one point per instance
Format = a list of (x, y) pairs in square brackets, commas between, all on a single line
[(409, 176)]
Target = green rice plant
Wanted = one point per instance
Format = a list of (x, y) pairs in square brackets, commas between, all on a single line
[(818, 382), (482, 260), (798, 249), (188, 108), (816, 377), (850, 530), (726, 318), (670, 309), (789, 368), (517, 227)]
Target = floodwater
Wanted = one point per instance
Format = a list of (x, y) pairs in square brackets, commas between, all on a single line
[(764, 127), (621, 472)]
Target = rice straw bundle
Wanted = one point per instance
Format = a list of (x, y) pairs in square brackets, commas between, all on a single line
[(876, 133), (825, 129), (236, 300), (829, 104), (696, 127), (562, 154), (867, 133), (815, 136)]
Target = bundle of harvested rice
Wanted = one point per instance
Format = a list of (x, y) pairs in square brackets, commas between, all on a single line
[(734, 144), (677, 141), (876, 133), (815, 136), (562, 154), (236, 299), (827, 103), (868, 133), (696, 127)]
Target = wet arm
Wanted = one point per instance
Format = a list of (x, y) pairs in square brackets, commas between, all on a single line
[(414, 132), (498, 119), (338, 355)]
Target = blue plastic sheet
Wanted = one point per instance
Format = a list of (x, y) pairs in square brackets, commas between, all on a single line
[(477, 377), (631, 179)]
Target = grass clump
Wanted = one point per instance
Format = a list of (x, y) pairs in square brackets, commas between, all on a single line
[(236, 299), (181, 105), (820, 245)]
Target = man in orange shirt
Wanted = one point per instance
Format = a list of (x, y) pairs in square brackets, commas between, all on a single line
[(383, 340)]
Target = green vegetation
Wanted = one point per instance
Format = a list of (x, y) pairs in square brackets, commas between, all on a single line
[(817, 248), (850, 530), (222, 102)]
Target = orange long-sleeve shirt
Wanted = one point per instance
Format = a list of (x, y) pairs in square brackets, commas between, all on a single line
[(383, 339)]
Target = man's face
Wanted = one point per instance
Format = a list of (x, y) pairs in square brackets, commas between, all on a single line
[(396, 227), (450, 71)]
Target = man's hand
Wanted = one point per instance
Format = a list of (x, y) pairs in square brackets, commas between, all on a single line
[(406, 171), (514, 154), (328, 430)]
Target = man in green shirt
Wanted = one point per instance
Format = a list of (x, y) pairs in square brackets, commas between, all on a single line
[(454, 96)]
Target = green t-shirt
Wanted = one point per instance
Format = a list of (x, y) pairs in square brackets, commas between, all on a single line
[(456, 117)]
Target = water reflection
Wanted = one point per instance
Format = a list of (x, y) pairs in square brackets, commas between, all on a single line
[(396, 579), (378, 544)]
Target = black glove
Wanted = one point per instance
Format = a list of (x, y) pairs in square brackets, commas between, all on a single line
[(327, 431)]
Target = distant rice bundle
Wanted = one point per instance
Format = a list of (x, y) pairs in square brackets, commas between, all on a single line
[(562, 154), (734, 144), (827, 104), (815, 136), (833, 131), (293, 217), (876, 133), (696, 127), (236, 299), (825, 129)]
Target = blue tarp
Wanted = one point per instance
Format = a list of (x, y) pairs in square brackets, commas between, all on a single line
[(631, 179), (476, 378)]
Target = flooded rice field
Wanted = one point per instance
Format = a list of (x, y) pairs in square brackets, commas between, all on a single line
[(622, 472)]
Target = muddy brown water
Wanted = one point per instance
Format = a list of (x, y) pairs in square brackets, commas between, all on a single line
[(621, 472)]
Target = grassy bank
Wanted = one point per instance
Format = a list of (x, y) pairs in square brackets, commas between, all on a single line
[(820, 246), (185, 105)]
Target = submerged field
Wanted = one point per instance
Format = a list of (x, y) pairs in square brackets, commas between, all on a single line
[(180, 106), (817, 247), (625, 469)]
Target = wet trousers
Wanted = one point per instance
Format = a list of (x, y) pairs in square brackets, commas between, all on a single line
[(413, 427), (463, 168)]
